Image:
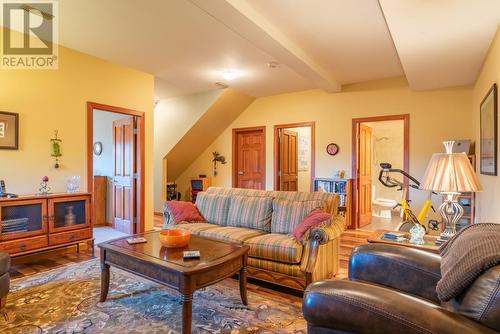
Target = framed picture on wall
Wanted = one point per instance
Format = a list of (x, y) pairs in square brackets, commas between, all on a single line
[(489, 132), (9, 131)]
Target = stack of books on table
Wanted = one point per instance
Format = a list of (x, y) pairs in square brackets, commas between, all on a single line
[(395, 236)]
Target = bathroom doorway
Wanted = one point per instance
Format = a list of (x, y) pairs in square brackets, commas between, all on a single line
[(378, 140)]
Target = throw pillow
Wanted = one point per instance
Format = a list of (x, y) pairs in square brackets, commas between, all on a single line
[(288, 214), (315, 218), (214, 208), (182, 212), (250, 212)]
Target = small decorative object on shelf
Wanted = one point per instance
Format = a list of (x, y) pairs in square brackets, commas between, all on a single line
[(56, 148), (44, 186), (73, 185), (218, 158), (70, 217), (332, 149)]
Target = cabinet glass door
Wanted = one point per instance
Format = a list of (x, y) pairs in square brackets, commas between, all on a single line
[(69, 214), (20, 219)]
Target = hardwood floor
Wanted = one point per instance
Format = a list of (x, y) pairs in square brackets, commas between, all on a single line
[(37, 263)]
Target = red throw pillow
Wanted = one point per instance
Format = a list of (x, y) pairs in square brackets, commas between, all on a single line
[(184, 211), (314, 218)]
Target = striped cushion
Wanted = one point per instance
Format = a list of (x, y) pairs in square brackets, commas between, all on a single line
[(284, 268), (214, 208), (231, 234), (331, 199), (276, 247), (288, 214), (195, 228), (250, 212)]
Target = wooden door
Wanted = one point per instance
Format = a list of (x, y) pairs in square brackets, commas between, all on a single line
[(249, 148), (288, 159), (365, 175), (124, 208)]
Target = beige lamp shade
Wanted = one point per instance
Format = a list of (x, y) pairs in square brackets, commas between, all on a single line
[(450, 173)]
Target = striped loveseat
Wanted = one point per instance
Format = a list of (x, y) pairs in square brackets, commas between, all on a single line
[(264, 221)]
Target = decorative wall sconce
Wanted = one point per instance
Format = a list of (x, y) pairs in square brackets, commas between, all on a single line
[(218, 158), (56, 148)]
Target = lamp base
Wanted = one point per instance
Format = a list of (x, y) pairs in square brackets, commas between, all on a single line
[(451, 212)]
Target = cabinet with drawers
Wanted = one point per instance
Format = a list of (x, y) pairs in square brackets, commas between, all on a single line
[(34, 223)]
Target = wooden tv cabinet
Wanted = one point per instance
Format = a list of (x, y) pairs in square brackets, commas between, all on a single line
[(35, 223)]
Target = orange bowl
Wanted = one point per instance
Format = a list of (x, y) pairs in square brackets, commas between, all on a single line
[(174, 238)]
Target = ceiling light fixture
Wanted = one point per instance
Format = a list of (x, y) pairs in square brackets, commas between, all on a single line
[(229, 74), (272, 64)]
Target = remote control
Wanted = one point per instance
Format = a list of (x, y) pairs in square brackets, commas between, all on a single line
[(132, 241), (191, 254)]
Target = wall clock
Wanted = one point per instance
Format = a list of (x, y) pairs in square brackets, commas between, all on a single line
[(97, 148), (332, 149)]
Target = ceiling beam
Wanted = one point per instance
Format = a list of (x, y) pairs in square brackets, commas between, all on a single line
[(246, 22)]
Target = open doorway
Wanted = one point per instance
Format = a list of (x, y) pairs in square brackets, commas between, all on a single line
[(115, 170), (294, 156), (378, 140)]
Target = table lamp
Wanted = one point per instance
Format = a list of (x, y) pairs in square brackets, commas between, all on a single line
[(450, 174)]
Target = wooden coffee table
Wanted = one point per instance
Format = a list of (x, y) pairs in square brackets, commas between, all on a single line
[(219, 260), (377, 237)]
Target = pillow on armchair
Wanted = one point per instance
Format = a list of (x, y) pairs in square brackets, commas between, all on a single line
[(183, 212)]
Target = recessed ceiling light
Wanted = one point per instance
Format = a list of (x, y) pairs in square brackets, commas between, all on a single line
[(229, 74)]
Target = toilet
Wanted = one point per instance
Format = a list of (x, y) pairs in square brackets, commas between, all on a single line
[(382, 207)]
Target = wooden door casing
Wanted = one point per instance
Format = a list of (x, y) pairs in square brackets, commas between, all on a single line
[(249, 150), (288, 159), (124, 206), (365, 174)]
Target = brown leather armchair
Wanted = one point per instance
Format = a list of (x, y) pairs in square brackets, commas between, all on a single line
[(392, 289), (4, 278)]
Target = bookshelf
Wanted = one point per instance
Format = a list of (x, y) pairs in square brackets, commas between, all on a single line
[(343, 187)]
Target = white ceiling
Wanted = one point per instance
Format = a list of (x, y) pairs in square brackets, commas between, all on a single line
[(442, 43), (318, 43)]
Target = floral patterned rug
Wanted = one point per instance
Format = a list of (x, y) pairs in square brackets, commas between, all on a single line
[(66, 300)]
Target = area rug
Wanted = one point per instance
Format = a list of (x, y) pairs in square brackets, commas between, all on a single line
[(66, 300)]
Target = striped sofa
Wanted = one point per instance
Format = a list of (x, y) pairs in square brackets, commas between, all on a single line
[(264, 220)]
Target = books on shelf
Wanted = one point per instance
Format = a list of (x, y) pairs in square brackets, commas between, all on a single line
[(15, 225), (338, 186)]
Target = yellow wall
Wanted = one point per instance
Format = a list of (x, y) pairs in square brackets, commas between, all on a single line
[(56, 99), (434, 116), (487, 204), (173, 118)]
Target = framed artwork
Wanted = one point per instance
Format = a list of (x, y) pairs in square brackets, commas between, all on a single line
[(9, 131), (304, 154), (489, 133)]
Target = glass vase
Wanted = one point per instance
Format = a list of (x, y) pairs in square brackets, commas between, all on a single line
[(417, 233)]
